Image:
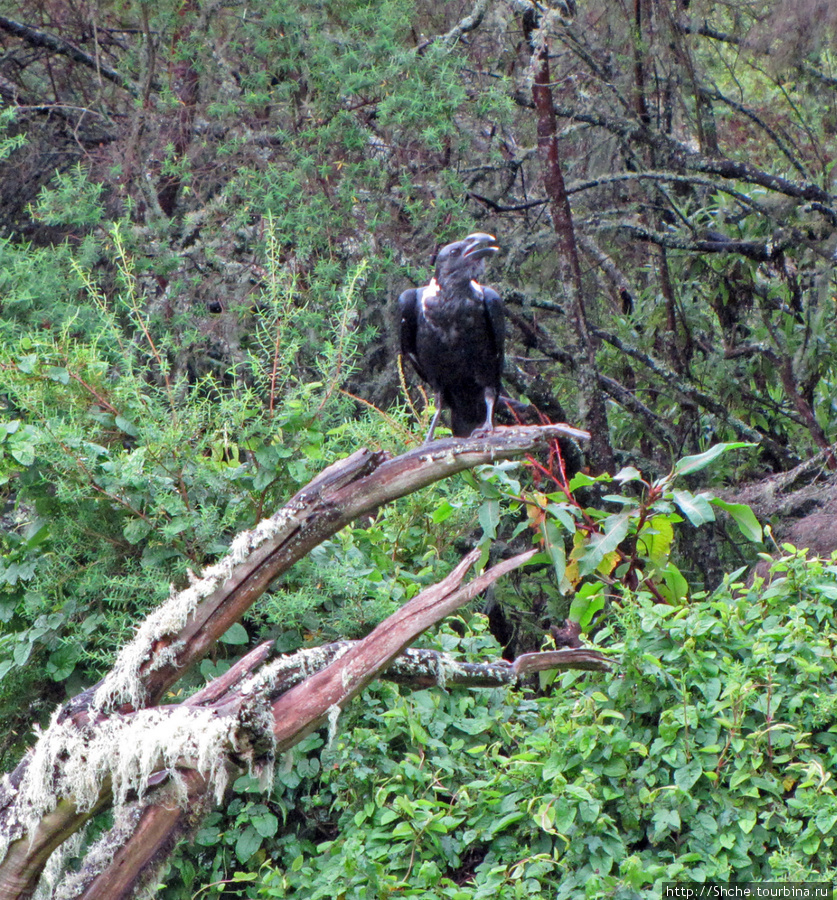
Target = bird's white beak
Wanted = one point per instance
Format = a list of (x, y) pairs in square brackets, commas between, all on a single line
[(480, 245)]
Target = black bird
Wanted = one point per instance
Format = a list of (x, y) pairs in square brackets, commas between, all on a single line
[(452, 331)]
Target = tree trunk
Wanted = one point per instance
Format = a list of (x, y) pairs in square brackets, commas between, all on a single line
[(591, 398)]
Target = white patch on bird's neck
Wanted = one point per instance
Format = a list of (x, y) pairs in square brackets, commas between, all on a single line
[(429, 292), (477, 288)]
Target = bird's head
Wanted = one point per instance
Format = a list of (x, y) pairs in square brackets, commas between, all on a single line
[(464, 260)]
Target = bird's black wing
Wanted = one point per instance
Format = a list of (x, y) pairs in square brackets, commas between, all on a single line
[(496, 319), (408, 306)]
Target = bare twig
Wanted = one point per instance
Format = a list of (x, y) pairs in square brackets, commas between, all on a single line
[(36, 38)]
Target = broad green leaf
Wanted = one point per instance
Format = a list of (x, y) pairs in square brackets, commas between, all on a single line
[(695, 507), (666, 820), (588, 601), (562, 513), (747, 820), (616, 529), (24, 453), (57, 373), (686, 777), (266, 824), (442, 512), (583, 611), (135, 530), (655, 540), (207, 837), (21, 652), (127, 426), (27, 363), (674, 588), (690, 464), (629, 473), (37, 534), (582, 480), (62, 662), (744, 518), (554, 546), (247, 844), (616, 768), (825, 821), (489, 516), (236, 634)]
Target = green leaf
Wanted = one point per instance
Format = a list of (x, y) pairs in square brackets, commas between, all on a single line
[(628, 473), (37, 535), (235, 634), (62, 663), (26, 364), (825, 821), (616, 529), (127, 426), (674, 588), (655, 540), (616, 768), (587, 603), (135, 530), (744, 518), (690, 464), (555, 548), (247, 844), (747, 820), (489, 516), (686, 777), (563, 514), (665, 820), (207, 837), (21, 653), (581, 480), (57, 373), (695, 507), (23, 453), (266, 824), (442, 512)]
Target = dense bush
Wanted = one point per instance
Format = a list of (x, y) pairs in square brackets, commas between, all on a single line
[(706, 754)]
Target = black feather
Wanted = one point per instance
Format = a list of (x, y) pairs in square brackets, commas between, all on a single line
[(453, 333)]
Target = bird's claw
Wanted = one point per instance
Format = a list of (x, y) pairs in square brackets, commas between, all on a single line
[(483, 431)]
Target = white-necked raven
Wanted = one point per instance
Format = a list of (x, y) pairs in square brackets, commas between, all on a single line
[(452, 331)]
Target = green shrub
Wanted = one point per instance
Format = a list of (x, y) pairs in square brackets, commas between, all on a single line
[(706, 754)]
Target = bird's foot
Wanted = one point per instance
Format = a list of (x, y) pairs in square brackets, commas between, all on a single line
[(483, 431)]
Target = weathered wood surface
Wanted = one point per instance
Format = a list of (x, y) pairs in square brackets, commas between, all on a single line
[(343, 492)]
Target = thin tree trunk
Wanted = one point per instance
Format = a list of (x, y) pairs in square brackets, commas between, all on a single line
[(591, 398)]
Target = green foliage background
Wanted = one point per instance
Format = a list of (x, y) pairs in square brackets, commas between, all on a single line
[(707, 756)]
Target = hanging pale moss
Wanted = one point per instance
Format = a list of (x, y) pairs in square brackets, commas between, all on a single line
[(122, 684)]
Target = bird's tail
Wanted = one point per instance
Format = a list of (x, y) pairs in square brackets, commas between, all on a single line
[(466, 414)]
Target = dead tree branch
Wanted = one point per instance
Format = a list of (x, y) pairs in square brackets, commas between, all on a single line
[(114, 743), (36, 38)]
